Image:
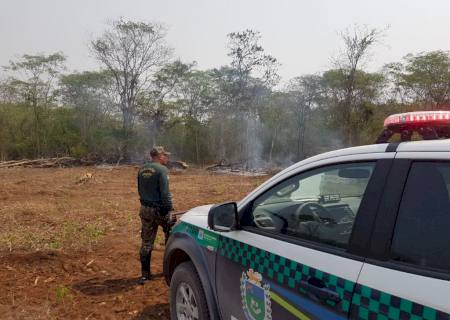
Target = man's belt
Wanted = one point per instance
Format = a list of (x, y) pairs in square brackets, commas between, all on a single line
[(150, 204), (161, 209)]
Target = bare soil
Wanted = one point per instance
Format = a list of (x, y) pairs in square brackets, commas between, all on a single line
[(69, 241)]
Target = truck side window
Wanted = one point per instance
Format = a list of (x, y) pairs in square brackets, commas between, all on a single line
[(422, 231), (319, 205)]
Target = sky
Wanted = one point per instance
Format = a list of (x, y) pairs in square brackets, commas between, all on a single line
[(302, 35)]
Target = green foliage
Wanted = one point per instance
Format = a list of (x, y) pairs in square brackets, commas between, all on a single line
[(60, 133), (16, 131), (63, 293), (423, 78), (350, 117), (33, 82)]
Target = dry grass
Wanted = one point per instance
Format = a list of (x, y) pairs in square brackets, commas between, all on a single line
[(70, 234), (50, 209)]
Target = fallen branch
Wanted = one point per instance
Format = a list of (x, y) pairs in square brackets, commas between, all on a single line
[(45, 163)]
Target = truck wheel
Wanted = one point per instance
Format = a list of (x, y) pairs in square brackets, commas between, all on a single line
[(187, 298)]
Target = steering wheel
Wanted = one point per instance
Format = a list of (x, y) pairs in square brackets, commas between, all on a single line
[(263, 220), (312, 210)]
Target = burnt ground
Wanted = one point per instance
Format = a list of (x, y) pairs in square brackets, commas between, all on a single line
[(69, 244)]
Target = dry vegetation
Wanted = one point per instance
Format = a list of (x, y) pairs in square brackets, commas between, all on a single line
[(69, 241)]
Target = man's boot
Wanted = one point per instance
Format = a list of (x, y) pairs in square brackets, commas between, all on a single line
[(145, 268)]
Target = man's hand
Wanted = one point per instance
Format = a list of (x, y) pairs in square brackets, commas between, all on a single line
[(174, 216), (172, 219)]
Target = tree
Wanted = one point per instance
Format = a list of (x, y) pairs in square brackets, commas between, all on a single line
[(34, 79), (423, 78), (195, 96), (9, 91), (357, 45), (131, 52), (366, 91), (155, 104), (90, 94), (250, 62), (275, 117), (252, 72), (88, 90), (306, 92)]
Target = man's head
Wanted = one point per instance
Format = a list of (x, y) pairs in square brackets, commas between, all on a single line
[(159, 155)]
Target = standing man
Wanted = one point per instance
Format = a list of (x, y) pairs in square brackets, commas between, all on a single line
[(156, 202)]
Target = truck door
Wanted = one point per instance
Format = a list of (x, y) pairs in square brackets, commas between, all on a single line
[(293, 257), (408, 275)]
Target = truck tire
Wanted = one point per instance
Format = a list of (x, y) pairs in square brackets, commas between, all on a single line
[(187, 297)]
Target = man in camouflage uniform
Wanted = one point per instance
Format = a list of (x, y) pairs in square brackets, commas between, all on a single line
[(156, 202)]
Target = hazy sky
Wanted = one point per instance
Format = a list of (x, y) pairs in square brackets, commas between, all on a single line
[(302, 35)]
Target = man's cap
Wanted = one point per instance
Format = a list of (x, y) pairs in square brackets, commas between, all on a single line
[(157, 150)]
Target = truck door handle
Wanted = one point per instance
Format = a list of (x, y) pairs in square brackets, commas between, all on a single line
[(317, 288)]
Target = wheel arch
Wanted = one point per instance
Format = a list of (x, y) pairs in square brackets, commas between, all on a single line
[(181, 248)]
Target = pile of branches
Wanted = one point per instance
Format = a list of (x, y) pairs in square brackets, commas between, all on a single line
[(223, 167), (177, 165), (64, 162), (61, 162)]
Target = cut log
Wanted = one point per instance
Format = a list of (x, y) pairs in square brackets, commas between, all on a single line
[(19, 163), (42, 163)]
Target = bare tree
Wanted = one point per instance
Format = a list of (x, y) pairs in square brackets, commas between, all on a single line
[(249, 56), (357, 44), (254, 73), (132, 52), (249, 60)]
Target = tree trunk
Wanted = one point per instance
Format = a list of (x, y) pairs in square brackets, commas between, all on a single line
[(272, 144), (221, 140), (302, 140), (37, 133), (301, 122), (127, 127), (197, 149)]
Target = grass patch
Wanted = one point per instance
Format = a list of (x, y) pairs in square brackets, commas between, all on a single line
[(63, 293), (70, 234)]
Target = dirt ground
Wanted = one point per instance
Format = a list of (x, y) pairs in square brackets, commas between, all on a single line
[(69, 242)]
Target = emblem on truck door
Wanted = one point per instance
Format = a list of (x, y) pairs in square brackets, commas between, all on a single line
[(255, 296)]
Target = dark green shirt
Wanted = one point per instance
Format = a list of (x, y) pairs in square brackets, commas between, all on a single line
[(153, 186)]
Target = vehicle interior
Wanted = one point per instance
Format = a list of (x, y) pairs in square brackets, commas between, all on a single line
[(320, 207)]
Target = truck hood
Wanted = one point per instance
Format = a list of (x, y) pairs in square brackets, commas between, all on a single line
[(197, 216), (198, 211)]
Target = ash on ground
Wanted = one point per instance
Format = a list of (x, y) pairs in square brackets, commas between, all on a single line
[(241, 169)]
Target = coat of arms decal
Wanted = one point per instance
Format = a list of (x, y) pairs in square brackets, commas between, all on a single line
[(255, 296)]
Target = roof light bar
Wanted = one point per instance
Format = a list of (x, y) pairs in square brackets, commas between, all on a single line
[(428, 124), (418, 118)]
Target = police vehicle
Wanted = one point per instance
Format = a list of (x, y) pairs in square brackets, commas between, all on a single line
[(357, 233)]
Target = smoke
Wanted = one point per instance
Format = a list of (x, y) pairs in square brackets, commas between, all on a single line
[(254, 144)]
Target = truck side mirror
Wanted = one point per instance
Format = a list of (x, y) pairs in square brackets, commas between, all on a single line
[(223, 217)]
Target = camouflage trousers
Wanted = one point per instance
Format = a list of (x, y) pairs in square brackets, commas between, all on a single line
[(150, 220)]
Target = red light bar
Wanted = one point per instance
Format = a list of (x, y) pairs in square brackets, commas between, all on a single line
[(418, 118)]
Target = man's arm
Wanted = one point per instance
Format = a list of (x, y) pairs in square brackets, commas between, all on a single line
[(138, 180), (166, 196)]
